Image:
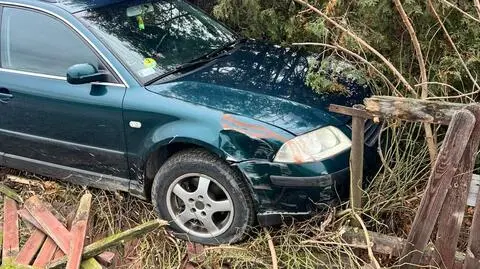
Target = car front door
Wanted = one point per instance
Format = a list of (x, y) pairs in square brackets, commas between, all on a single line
[(45, 121)]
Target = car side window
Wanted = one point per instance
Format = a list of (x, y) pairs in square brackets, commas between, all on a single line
[(38, 43)]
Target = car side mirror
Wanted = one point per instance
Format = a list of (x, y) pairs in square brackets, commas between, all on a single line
[(85, 73)]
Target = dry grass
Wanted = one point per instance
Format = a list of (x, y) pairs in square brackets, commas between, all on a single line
[(390, 204)]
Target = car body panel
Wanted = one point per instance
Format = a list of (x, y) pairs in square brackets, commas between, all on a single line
[(241, 107)]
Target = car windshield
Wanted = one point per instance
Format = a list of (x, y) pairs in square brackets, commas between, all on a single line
[(153, 38)]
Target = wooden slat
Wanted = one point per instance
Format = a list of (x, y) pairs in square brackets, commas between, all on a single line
[(11, 244), (350, 111), (446, 165), (78, 231), (98, 247), (27, 217), (451, 215), (409, 109), (356, 162), (31, 248), (51, 226), (472, 259), (46, 253), (10, 194)]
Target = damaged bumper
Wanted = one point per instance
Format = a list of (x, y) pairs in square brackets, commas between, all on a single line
[(294, 190)]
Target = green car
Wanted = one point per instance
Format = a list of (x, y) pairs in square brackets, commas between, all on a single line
[(157, 99)]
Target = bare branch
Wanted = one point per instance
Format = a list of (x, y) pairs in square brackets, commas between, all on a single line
[(363, 43), (450, 40), (432, 148)]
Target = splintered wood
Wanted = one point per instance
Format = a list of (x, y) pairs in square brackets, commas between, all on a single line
[(450, 187), (52, 243)]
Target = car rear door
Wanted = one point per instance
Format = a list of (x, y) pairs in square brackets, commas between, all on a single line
[(44, 120)]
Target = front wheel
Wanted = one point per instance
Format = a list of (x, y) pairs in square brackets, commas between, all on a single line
[(205, 200)]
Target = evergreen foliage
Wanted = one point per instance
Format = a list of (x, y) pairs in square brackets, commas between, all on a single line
[(377, 22)]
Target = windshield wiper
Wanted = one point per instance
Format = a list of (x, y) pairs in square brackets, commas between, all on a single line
[(211, 56)]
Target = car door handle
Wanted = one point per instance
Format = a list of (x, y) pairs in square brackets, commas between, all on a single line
[(5, 95)]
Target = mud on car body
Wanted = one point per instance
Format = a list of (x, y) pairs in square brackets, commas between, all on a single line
[(157, 99)]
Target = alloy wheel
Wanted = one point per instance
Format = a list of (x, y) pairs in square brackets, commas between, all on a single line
[(200, 205)]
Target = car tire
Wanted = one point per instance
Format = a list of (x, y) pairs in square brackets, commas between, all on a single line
[(203, 198)]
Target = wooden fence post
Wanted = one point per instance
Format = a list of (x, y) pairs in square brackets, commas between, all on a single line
[(454, 145), (356, 160), (451, 216)]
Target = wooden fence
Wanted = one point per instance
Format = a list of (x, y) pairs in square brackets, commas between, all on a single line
[(444, 201)]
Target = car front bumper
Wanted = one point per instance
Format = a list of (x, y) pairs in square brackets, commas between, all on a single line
[(282, 190)]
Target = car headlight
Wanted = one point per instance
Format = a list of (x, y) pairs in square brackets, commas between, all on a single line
[(314, 146)]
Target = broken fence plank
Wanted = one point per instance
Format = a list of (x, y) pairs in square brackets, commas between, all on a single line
[(98, 247), (78, 232), (11, 244), (46, 253), (356, 162), (350, 111), (27, 217), (10, 193), (50, 224), (410, 109), (453, 147), (472, 259), (31, 248), (453, 210)]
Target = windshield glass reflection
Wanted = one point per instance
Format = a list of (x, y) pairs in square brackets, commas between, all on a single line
[(155, 37)]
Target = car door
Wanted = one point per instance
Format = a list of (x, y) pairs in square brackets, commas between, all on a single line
[(44, 120)]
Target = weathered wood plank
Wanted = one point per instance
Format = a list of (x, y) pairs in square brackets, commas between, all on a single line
[(11, 194), (472, 259), (454, 145), (385, 244), (46, 253), (98, 247), (78, 231), (11, 244), (409, 109), (27, 217), (451, 215), (356, 162), (51, 226), (31, 248), (350, 111)]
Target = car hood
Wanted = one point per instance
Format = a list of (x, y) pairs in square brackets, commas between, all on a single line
[(263, 82)]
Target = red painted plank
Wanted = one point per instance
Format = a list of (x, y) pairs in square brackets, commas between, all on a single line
[(27, 217), (78, 231), (52, 227), (11, 244), (31, 248), (46, 253)]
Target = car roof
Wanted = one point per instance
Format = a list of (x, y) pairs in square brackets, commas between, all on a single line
[(74, 6)]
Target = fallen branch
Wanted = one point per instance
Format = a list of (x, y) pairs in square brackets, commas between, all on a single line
[(477, 6), (98, 247), (273, 253)]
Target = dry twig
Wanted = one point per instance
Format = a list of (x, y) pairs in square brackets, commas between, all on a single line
[(363, 43)]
